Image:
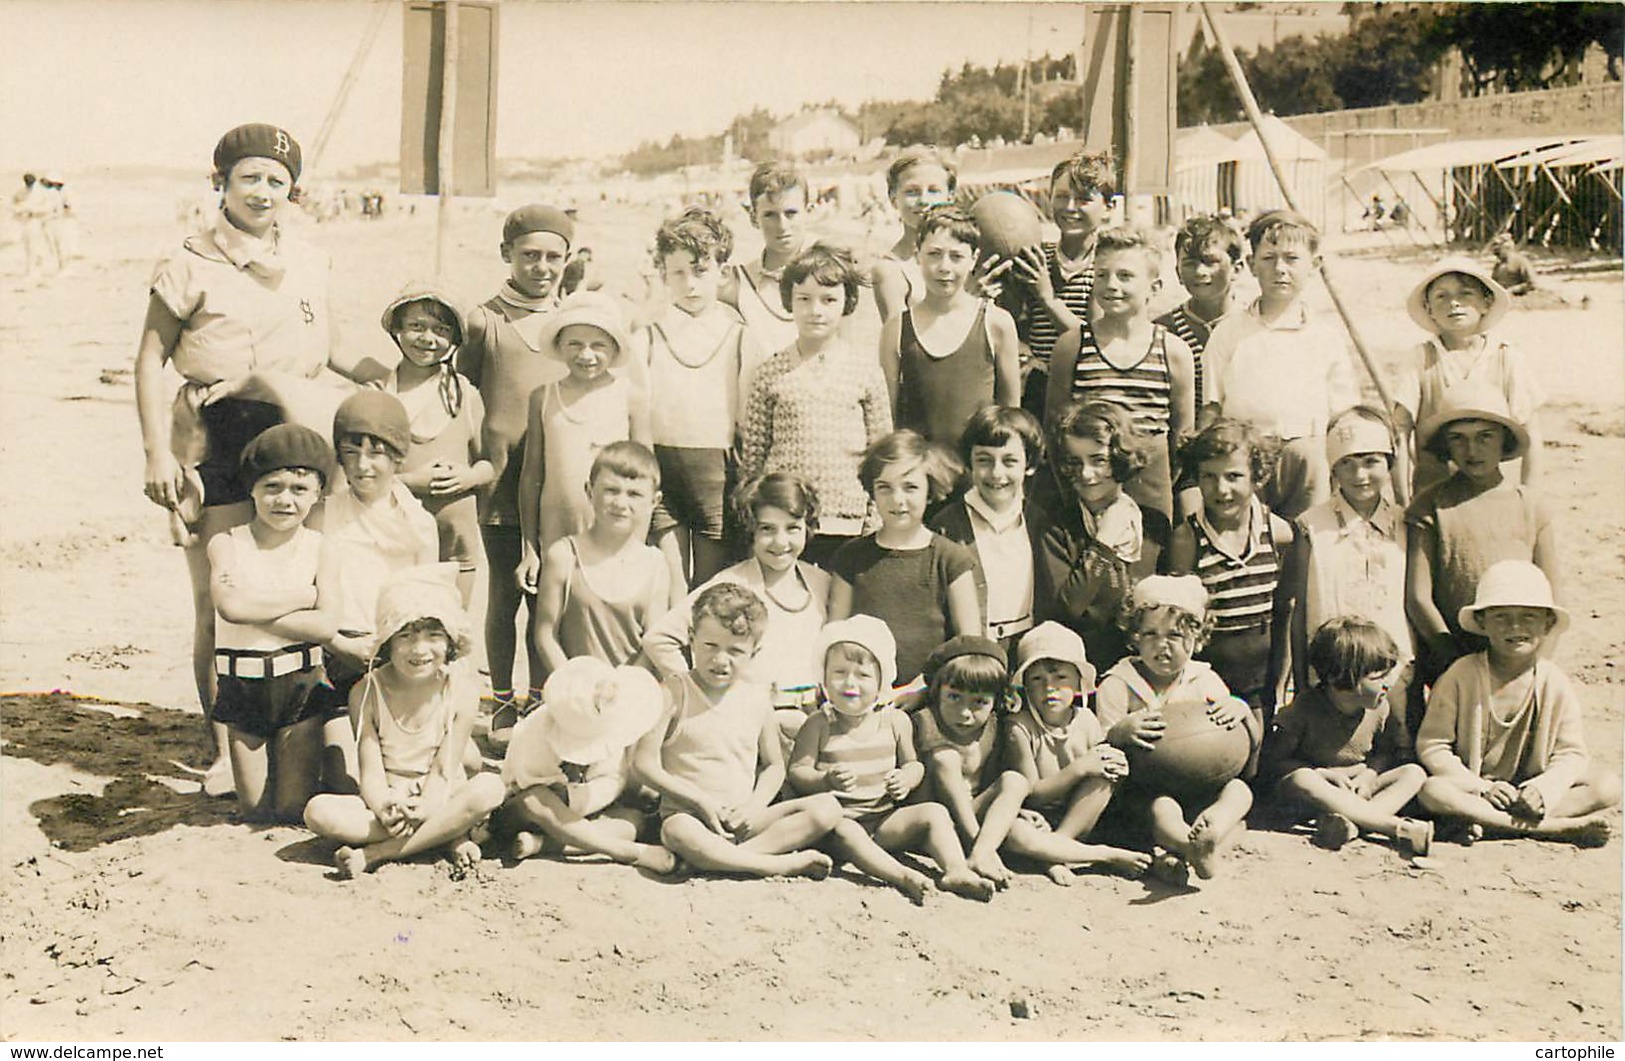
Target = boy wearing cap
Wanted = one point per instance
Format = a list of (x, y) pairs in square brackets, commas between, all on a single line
[(1503, 741), (1351, 548), (568, 764), (268, 633), (1278, 369), (503, 356), (240, 300), (1474, 518), (1459, 304)]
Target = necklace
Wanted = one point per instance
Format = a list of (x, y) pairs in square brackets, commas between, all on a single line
[(774, 597)]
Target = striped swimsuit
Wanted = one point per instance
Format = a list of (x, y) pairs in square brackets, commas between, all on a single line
[(1241, 593), (1145, 389), (870, 751), (1195, 331), (1041, 331)]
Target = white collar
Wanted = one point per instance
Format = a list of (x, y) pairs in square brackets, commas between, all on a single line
[(1000, 523)]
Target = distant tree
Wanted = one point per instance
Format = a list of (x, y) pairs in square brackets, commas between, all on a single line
[(1205, 93), (1515, 47), (1294, 77), (1388, 57)]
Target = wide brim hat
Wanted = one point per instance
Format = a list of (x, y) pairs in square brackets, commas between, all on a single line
[(427, 591), (425, 291), (1473, 401), (867, 632), (596, 308), (1512, 584), (1051, 640), (592, 711), (1500, 301)]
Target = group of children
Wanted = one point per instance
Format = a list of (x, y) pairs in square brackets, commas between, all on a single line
[(892, 642)]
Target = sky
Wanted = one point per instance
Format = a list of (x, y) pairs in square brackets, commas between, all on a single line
[(155, 82)]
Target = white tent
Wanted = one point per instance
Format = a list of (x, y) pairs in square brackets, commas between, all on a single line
[(1246, 183), (1197, 153)]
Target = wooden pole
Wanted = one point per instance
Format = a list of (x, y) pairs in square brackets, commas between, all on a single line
[(313, 157), (1239, 78), (445, 149)]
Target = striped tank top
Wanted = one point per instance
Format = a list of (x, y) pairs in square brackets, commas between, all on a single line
[(1041, 331), (1145, 389), (1241, 589), (1195, 331), (870, 750)]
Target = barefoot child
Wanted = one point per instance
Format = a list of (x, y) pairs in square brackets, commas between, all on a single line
[(1055, 742), (602, 588), (503, 356), (714, 757), (781, 512), (268, 635), (920, 584), (1342, 749), (568, 764), (818, 404), (445, 467), (1503, 741), (917, 180), (862, 750), (960, 731), (950, 352), (1459, 304), (416, 707), (1192, 823), (694, 357)]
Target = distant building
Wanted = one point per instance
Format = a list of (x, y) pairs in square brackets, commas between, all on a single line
[(814, 134)]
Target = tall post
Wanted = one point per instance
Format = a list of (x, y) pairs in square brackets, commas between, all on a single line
[(1239, 78), (446, 150)]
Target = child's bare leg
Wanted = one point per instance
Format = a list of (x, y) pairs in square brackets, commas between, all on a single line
[(616, 837), (1041, 845), (928, 825), (793, 824), (250, 759), (464, 806), (214, 519), (341, 767), (343, 818), (997, 806), (790, 720), (856, 846), (1216, 825), (1168, 826), (1378, 814), (1571, 821), (1084, 807), (296, 768), (673, 544), (688, 838)]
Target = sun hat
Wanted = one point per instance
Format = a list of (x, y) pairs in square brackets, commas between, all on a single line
[(375, 413), (591, 710), (426, 591), (596, 308), (285, 446), (1417, 304), (1511, 584), (538, 218), (867, 632), (425, 291), (962, 645), (258, 140), (1184, 592), (1352, 432), (1472, 401), (1051, 640)]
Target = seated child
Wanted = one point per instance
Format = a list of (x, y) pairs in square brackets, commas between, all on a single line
[(1460, 526), (781, 512), (416, 707), (573, 419), (601, 589), (1167, 621), (568, 764), (996, 516), (1459, 304), (445, 467), (714, 757), (268, 635), (1341, 748), (1056, 744), (1503, 741), (960, 736), (862, 749), (920, 584)]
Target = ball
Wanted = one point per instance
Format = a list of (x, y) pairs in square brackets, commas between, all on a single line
[(1195, 754), (1007, 223)]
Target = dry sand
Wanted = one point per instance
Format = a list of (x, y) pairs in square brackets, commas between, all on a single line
[(133, 908)]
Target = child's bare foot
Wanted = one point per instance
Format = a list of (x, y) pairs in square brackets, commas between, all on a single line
[(1332, 831), (1170, 869), (1415, 835), (814, 864), (992, 868), (656, 859), (1060, 874), (466, 854), (526, 845), (1202, 847), (1592, 831), (968, 884), (916, 886), (1126, 863), (351, 862)]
